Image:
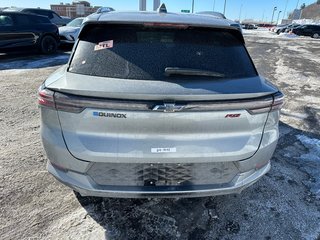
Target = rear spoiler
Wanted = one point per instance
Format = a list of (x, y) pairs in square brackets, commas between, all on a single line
[(231, 29)]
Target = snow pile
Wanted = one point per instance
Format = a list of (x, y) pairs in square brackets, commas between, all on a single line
[(312, 161), (307, 21), (288, 35)]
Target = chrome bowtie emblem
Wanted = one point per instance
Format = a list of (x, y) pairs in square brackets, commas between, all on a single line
[(168, 107)]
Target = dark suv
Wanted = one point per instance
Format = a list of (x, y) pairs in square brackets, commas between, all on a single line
[(308, 30), (20, 31), (53, 16)]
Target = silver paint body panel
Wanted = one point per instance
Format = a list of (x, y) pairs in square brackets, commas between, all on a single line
[(79, 145)]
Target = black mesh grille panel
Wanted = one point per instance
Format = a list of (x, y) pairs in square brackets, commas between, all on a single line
[(166, 174)]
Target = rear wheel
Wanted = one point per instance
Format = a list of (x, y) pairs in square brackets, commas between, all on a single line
[(48, 45), (316, 35)]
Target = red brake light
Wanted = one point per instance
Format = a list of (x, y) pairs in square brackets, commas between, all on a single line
[(166, 25), (54, 100), (274, 104), (278, 101), (45, 98)]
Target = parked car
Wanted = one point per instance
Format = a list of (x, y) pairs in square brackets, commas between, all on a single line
[(21, 31), (265, 25), (105, 9), (289, 29), (53, 16), (285, 28), (98, 13), (69, 33), (275, 28), (158, 105), (308, 30), (221, 16), (214, 14), (249, 26)]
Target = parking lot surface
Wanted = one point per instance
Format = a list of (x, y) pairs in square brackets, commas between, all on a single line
[(284, 204)]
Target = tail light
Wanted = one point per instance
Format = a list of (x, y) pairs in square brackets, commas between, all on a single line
[(76, 104), (50, 99), (275, 104), (278, 101), (45, 97)]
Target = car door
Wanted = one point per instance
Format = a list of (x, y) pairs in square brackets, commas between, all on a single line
[(24, 30), (7, 36), (315, 30), (308, 30)]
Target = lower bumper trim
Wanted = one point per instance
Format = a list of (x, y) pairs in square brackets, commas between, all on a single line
[(82, 184)]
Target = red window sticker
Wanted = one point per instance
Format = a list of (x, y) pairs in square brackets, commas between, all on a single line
[(103, 45)]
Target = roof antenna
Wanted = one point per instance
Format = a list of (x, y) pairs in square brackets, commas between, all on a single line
[(162, 8)]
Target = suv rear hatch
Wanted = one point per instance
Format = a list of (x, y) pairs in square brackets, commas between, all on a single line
[(154, 93)]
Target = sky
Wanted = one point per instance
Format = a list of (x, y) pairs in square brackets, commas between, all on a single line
[(245, 9)]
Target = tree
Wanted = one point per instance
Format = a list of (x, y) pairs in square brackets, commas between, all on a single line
[(318, 1), (303, 6)]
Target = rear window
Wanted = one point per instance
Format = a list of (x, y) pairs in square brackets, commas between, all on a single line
[(40, 12), (138, 52), (5, 21), (38, 19)]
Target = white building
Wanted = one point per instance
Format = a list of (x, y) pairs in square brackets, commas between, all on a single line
[(156, 4), (143, 5)]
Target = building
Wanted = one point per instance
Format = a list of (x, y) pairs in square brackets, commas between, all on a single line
[(156, 4), (296, 14), (74, 10), (143, 5)]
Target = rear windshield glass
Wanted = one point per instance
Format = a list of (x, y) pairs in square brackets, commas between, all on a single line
[(137, 52)]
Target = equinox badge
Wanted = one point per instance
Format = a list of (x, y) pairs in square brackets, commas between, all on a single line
[(109, 115)]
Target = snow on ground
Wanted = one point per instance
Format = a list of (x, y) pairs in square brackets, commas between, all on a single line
[(21, 66), (288, 35), (265, 33), (311, 161), (284, 204)]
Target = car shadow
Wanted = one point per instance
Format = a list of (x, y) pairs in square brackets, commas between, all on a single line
[(313, 119), (276, 207), (31, 60)]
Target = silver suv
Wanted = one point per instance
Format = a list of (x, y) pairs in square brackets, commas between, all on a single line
[(158, 105)]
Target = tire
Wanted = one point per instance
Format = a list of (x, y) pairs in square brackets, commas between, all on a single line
[(316, 35), (86, 200), (48, 45)]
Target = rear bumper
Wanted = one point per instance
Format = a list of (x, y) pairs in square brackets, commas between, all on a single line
[(86, 187), (77, 173), (67, 38), (67, 41)]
